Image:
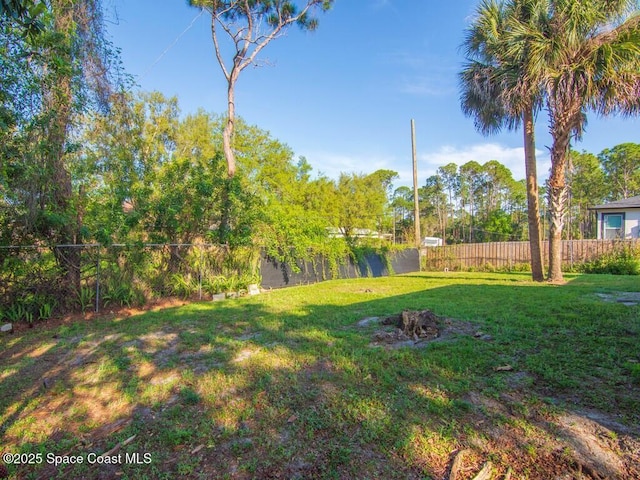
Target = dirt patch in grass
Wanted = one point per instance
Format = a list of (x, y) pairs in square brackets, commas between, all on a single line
[(417, 329), (566, 444), (571, 444), (106, 313), (626, 298)]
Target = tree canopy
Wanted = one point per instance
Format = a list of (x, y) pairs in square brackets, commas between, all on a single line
[(249, 26)]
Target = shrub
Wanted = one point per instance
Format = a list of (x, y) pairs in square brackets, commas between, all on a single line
[(625, 261), (184, 286)]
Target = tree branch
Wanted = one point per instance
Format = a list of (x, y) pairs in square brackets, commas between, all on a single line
[(216, 46)]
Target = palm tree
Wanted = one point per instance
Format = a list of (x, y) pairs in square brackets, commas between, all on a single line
[(586, 56), (495, 93), (576, 56)]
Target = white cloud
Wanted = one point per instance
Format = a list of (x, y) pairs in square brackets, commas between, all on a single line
[(510, 157), (332, 164)]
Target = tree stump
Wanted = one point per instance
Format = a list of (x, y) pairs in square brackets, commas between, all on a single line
[(422, 325)]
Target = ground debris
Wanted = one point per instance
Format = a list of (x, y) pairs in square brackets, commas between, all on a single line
[(416, 329), (416, 325), (485, 473), (503, 368), (457, 465), (118, 446)]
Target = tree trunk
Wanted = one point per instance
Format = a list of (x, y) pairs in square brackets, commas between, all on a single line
[(226, 210), (173, 265), (533, 208), (227, 134), (59, 99), (557, 198), (557, 201)]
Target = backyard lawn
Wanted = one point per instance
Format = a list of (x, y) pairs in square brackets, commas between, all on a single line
[(524, 380)]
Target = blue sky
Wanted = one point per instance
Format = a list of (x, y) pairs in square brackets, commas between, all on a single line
[(342, 96)]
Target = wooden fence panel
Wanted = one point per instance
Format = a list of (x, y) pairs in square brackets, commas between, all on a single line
[(507, 255)]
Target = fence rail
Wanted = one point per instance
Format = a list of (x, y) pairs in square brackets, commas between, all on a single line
[(509, 255)]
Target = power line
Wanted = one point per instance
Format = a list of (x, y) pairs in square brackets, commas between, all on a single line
[(172, 44)]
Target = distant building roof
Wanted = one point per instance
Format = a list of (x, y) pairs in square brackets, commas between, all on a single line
[(631, 202)]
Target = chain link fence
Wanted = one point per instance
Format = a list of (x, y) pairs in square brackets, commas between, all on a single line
[(38, 281)]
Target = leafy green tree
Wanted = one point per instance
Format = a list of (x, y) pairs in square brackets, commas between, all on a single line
[(158, 178), (588, 187), (304, 168), (289, 232), (108, 168), (267, 165), (25, 13), (471, 184), (380, 185), (498, 181), (118, 163), (250, 26), (516, 206), (180, 208), (621, 165), (498, 226), (54, 76), (451, 182), (402, 204), (280, 189), (363, 201), (433, 203), (321, 197)]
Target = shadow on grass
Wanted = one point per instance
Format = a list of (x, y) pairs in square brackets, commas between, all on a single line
[(286, 385)]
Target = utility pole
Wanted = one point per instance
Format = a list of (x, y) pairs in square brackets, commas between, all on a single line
[(416, 203)]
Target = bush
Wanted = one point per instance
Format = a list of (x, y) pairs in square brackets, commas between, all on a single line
[(625, 261)]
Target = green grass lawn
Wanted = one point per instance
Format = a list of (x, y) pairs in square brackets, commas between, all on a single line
[(287, 385)]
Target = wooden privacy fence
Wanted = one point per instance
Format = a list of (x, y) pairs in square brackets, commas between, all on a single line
[(509, 255)]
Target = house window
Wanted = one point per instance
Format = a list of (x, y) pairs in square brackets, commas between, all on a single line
[(612, 226)]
